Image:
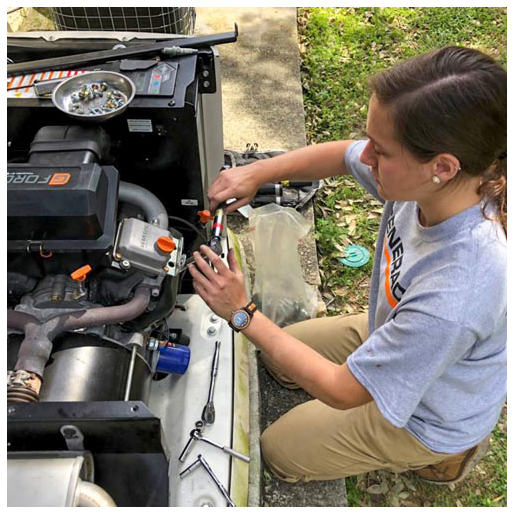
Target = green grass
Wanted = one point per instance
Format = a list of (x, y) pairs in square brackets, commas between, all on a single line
[(340, 48)]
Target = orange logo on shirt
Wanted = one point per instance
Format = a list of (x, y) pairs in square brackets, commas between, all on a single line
[(59, 179)]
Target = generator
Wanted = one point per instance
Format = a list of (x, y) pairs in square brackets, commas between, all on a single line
[(111, 356)]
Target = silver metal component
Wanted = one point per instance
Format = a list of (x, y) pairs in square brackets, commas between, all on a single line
[(82, 85), (47, 480), (130, 373), (214, 318), (137, 243), (188, 446), (153, 344), (201, 461), (190, 468), (197, 435), (125, 264), (73, 437), (211, 331), (208, 414), (224, 492)]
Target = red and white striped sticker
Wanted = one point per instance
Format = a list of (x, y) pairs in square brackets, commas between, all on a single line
[(21, 86)]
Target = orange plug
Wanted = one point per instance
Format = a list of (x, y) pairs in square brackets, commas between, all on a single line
[(80, 274), (205, 216), (166, 244)]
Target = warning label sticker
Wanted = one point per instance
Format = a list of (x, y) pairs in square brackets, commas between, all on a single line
[(22, 86), (140, 125)]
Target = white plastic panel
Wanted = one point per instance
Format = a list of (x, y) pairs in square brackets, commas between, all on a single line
[(179, 401)]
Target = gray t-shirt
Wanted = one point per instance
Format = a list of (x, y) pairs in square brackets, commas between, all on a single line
[(436, 359)]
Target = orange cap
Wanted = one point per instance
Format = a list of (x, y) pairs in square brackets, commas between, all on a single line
[(166, 244), (205, 216), (80, 274)]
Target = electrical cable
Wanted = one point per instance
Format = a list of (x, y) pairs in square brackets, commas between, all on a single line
[(191, 226)]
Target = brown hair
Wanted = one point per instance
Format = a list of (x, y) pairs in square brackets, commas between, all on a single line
[(453, 100)]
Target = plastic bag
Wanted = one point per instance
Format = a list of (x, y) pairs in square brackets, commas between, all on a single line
[(279, 289)]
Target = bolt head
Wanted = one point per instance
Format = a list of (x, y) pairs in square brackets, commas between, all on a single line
[(211, 331)]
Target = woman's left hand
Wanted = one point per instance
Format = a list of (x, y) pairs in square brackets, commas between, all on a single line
[(221, 288)]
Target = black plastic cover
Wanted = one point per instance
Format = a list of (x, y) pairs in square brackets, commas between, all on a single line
[(61, 209), (69, 145)]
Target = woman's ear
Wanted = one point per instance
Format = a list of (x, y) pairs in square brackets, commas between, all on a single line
[(446, 166)]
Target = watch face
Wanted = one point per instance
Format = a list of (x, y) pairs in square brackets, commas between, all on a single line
[(241, 319)]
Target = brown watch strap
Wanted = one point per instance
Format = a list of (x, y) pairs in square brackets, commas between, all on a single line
[(250, 308)]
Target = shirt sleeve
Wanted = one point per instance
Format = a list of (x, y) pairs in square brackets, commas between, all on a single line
[(360, 171), (403, 358)]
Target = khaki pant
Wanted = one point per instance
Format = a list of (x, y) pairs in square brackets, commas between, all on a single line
[(316, 442)]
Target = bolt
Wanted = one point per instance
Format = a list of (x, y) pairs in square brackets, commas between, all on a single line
[(211, 331), (155, 292), (171, 103), (118, 256), (206, 83), (205, 73), (214, 318), (125, 264)]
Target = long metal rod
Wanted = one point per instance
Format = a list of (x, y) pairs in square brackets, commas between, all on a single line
[(216, 481), (128, 387), (92, 58)]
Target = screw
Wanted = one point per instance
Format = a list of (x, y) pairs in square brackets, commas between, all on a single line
[(206, 83), (205, 73), (155, 292), (118, 256), (211, 331), (214, 318), (171, 103), (125, 264)]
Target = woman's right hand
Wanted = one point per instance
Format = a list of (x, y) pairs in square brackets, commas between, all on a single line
[(240, 183)]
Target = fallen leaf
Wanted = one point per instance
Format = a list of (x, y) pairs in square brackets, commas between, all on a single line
[(377, 489), (397, 488), (395, 502)]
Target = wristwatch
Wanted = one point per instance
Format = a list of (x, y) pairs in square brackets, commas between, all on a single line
[(241, 318)]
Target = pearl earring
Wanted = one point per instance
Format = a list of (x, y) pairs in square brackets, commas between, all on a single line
[(436, 179)]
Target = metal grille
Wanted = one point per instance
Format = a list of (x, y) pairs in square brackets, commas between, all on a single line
[(168, 20)]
